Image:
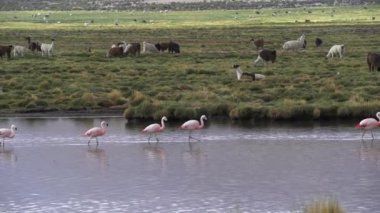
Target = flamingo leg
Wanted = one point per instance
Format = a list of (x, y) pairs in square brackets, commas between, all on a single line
[(88, 143), (372, 134), (156, 138), (150, 135), (97, 142), (195, 138), (191, 137), (363, 133)]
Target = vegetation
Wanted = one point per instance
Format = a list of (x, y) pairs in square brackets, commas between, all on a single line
[(163, 4), (300, 85), (325, 206)]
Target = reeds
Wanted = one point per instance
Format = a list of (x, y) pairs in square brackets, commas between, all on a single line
[(324, 206)]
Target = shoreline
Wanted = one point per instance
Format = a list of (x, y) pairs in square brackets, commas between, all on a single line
[(113, 113), (64, 113)]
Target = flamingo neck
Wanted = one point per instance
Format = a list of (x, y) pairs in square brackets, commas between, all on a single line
[(202, 123), (378, 116), (162, 124)]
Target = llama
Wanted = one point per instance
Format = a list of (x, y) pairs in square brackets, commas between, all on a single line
[(47, 49), (149, 48), (33, 46), (266, 55), (240, 73), (19, 50), (337, 49), (295, 44), (259, 43)]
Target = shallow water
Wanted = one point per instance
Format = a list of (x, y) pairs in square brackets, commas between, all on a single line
[(274, 167)]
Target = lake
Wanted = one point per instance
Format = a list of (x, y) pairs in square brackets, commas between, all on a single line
[(235, 167)]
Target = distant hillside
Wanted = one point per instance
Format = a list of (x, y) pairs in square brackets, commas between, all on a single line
[(164, 4)]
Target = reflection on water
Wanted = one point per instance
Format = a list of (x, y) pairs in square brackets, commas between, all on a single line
[(97, 154), (155, 153), (8, 155), (254, 167), (194, 155), (370, 150)]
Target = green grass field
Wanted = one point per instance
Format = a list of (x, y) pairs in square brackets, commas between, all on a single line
[(199, 80)]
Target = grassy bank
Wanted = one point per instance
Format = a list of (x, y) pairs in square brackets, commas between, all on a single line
[(199, 80)]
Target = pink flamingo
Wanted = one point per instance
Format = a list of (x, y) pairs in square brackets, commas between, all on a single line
[(95, 132), (155, 128), (193, 125), (8, 133), (369, 124)]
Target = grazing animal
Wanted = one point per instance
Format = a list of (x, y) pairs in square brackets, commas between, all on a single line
[(120, 44), (295, 44), (162, 46), (193, 125), (259, 43), (149, 48), (8, 133), (95, 132), (33, 46), (318, 42), (19, 50), (115, 52), (373, 61), (369, 124), (133, 48), (155, 128), (266, 55), (47, 49), (240, 73), (173, 47), (6, 50), (337, 49)]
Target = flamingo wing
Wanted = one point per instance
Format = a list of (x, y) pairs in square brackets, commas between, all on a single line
[(191, 124), (152, 128), (368, 123), (94, 132), (5, 132)]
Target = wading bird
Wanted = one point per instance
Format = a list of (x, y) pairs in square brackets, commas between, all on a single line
[(155, 128), (193, 125), (369, 124), (95, 132), (8, 133)]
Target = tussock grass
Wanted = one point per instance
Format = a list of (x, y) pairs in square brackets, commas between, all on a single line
[(324, 206)]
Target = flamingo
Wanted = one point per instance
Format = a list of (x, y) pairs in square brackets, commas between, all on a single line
[(155, 128), (369, 124), (193, 125), (95, 132), (8, 133)]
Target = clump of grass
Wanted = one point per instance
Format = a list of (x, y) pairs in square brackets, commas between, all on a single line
[(136, 98), (116, 97), (244, 111), (324, 206), (291, 109)]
